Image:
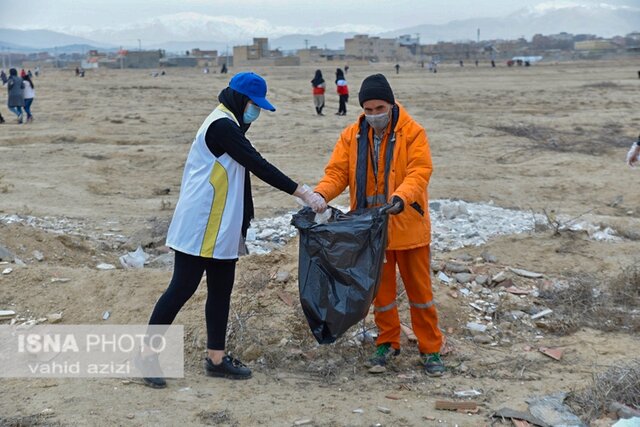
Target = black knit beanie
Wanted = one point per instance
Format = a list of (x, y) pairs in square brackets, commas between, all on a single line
[(376, 86)]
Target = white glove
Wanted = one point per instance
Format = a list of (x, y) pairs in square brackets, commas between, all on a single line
[(632, 155), (314, 200)]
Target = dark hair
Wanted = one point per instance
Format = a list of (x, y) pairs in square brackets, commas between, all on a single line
[(13, 72), (28, 79)]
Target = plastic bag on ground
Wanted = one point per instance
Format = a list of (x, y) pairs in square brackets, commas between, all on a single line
[(339, 269), (134, 259)]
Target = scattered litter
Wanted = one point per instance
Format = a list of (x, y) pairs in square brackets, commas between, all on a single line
[(384, 410), (467, 393), (554, 353), (7, 270), (525, 273), (358, 411), (303, 422), (134, 259), (517, 291), (38, 255), (7, 314), (628, 422), (392, 397), (106, 315), (60, 280), (105, 266), (500, 277), (553, 411), (512, 414), (444, 278), (282, 276), (54, 317), (477, 327), (285, 297), (449, 405), (542, 313)]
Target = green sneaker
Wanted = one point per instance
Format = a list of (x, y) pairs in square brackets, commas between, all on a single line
[(378, 362), (433, 365)]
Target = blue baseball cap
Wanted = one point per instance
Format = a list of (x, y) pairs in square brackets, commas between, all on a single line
[(253, 86)]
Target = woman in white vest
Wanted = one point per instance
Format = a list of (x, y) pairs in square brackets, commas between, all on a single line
[(212, 216)]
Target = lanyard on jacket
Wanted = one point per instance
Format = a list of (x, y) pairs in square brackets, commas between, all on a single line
[(363, 159)]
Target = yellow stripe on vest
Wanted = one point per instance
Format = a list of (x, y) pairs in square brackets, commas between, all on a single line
[(220, 183)]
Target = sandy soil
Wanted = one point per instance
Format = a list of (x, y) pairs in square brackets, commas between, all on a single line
[(106, 153)]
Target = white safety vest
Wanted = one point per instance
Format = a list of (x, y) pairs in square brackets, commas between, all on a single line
[(207, 221)]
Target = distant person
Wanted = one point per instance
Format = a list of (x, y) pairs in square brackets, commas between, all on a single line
[(421, 64), (319, 86), (77, 71), (397, 66), (346, 69), (162, 73), (493, 64), (23, 73), (1, 119), (29, 94), (476, 62), (223, 70), (634, 152), (343, 92), (37, 71), (3, 77), (81, 72), (29, 74), (461, 63), (205, 70), (15, 87), (211, 219)]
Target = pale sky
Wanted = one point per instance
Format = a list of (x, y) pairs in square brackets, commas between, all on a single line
[(390, 14)]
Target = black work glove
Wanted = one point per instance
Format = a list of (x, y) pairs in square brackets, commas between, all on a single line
[(397, 205)]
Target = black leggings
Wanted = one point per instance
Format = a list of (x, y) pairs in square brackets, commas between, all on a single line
[(187, 274), (342, 108)]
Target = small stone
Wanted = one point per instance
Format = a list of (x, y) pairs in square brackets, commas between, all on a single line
[(303, 422), (444, 278), (500, 277), (384, 410), (465, 257), (7, 270), (54, 317), (487, 257), (476, 327), (106, 315), (454, 267), (358, 411), (130, 416), (482, 279), (463, 278), (526, 273), (38, 255), (282, 276), (436, 266), (482, 339), (19, 262)]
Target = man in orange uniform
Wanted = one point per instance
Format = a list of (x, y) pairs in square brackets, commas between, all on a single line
[(384, 157)]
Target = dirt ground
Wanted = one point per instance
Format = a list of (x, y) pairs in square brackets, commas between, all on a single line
[(104, 160)]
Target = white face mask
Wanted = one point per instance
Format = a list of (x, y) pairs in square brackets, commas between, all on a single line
[(378, 121)]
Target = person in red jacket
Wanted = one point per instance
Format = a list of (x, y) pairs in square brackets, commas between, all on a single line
[(384, 157), (343, 92), (318, 92)]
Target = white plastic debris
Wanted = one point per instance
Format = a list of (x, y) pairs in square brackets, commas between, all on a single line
[(477, 327), (7, 270), (323, 218), (467, 393), (525, 273), (444, 278), (7, 314), (105, 266), (541, 314), (134, 259)]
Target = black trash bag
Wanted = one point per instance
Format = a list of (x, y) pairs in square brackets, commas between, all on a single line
[(339, 268)]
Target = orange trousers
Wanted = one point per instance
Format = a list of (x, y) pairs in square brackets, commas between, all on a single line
[(415, 270)]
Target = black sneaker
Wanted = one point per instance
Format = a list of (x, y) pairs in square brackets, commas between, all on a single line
[(433, 364), (229, 368), (377, 364), (151, 371)]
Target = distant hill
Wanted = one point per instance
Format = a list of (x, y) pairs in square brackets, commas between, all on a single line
[(43, 39), (602, 20)]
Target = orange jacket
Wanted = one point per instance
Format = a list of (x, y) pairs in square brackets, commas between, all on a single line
[(408, 178)]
